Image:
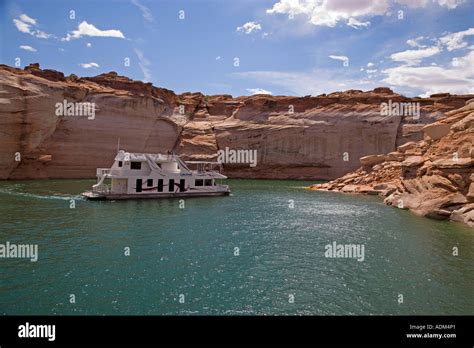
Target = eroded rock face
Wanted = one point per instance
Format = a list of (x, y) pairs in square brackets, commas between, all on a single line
[(372, 160), (436, 131), (436, 183), (295, 137), (74, 144)]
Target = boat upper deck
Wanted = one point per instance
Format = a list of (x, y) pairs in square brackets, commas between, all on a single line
[(128, 164)]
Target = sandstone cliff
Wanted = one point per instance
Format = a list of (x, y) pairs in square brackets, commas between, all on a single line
[(432, 177), (295, 137)]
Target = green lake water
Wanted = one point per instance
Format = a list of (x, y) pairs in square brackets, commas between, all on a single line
[(190, 254)]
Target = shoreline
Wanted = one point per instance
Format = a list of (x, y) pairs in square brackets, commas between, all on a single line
[(433, 177)]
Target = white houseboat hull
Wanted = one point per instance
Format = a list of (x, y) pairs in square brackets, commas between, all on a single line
[(94, 196)]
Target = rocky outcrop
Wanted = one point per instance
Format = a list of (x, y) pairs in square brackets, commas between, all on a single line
[(433, 177), (312, 137), (371, 160)]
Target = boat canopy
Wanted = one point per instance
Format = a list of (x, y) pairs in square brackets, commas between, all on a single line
[(143, 157)]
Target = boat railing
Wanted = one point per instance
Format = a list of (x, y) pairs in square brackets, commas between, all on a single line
[(102, 188), (205, 167)]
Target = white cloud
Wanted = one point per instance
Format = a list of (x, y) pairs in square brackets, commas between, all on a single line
[(456, 79), (42, 35), (455, 41), (250, 27), (415, 42), (450, 3), (26, 19), (144, 65), (305, 83), (341, 58), (370, 64), (89, 65), (218, 58), (28, 48), (412, 3), (22, 26), (331, 12), (371, 71), (146, 13), (88, 44), (258, 91), (27, 25), (354, 23), (413, 57), (86, 29)]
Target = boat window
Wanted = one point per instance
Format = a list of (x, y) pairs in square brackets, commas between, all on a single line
[(149, 182), (199, 182), (136, 165), (171, 185), (208, 182), (160, 185), (120, 164), (139, 185), (182, 184)]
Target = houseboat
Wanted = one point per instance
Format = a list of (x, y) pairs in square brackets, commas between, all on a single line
[(143, 175)]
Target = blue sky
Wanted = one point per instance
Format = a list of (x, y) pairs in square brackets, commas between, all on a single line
[(284, 47)]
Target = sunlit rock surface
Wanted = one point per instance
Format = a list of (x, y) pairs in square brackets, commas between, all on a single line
[(312, 137), (432, 177)]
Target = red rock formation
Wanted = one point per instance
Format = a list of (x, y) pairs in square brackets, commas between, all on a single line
[(295, 137), (433, 177)]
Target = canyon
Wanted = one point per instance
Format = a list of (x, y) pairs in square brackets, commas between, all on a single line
[(311, 137), (432, 177)]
